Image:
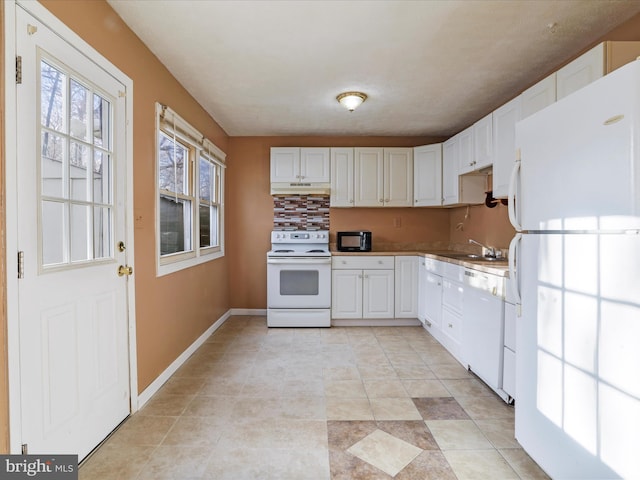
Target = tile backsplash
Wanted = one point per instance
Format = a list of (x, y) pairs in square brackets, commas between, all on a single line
[(301, 212)]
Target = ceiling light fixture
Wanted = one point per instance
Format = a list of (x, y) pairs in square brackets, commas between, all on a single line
[(351, 100)]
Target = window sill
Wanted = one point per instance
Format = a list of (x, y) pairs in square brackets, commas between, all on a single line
[(178, 265)]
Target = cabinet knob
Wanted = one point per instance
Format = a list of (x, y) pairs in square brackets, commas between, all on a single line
[(386, 200), (451, 325)]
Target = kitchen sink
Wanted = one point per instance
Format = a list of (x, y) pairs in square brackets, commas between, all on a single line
[(473, 257)]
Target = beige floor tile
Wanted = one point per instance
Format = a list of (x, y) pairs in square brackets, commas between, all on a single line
[(176, 462), (142, 430), (222, 386), (415, 372), (234, 463), (450, 371), (429, 465), (301, 408), (385, 388), (166, 405), (269, 386), (499, 431), (376, 371), (348, 409), (115, 462), (219, 408), (384, 451), (341, 373), (523, 464), (294, 387), (394, 409), (276, 433), (482, 408), (404, 359), (458, 435), (296, 464), (344, 389), (201, 431), (439, 356), (467, 387), (425, 388), (183, 386), (477, 464)]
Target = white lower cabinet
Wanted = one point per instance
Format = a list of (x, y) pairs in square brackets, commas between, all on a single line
[(406, 287), (452, 304), (431, 295), (362, 287)]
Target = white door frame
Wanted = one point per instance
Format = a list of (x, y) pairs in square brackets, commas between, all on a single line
[(13, 336)]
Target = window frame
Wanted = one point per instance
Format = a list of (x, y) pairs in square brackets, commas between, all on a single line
[(171, 125)]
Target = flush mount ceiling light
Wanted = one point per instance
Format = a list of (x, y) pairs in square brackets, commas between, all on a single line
[(351, 100)]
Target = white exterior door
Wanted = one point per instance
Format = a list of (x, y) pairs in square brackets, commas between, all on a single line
[(71, 170)]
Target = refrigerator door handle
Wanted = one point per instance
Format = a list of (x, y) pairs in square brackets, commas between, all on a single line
[(511, 197), (514, 280)]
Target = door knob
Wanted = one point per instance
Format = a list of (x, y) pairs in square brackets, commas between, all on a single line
[(125, 270)]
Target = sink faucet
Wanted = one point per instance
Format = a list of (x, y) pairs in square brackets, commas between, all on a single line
[(490, 251)]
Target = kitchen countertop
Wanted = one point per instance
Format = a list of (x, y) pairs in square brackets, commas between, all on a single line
[(495, 267)]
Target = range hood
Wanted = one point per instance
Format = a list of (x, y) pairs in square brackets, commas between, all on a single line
[(302, 188)]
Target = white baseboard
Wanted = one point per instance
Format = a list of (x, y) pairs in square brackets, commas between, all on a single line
[(375, 322), (177, 363), (248, 311)]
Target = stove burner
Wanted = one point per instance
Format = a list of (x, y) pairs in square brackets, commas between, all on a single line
[(283, 251), (315, 251)]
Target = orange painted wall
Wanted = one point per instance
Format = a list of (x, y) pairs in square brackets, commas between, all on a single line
[(250, 210), (174, 310)]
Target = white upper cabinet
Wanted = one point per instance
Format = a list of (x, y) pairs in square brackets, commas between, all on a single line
[(342, 192), (483, 142), (295, 165), (539, 96), (427, 175), (504, 145), (465, 151), (383, 177), (368, 177), (580, 72), (398, 177), (285, 164), (459, 189)]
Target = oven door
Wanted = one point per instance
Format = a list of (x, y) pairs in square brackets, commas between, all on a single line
[(299, 282)]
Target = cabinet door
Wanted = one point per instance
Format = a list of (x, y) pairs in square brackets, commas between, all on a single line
[(346, 294), (398, 177), (341, 177), (406, 287), (466, 152), (427, 175), (422, 287), (541, 95), (315, 165), (285, 164), (483, 142), (585, 69), (368, 177), (450, 170), (377, 294), (504, 145)]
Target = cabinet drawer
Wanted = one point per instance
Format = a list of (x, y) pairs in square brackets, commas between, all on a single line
[(452, 294), (363, 263), (453, 272), (451, 325), (434, 266)]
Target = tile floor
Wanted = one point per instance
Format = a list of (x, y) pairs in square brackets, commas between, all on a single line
[(338, 403)]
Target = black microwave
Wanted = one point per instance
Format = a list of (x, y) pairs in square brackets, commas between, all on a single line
[(354, 241)]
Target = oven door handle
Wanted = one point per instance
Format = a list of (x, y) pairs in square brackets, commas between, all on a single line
[(299, 261)]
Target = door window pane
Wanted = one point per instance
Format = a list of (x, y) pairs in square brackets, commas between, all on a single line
[(79, 232), (52, 164), (101, 177), (79, 119), (53, 239), (102, 237), (52, 97), (78, 172), (101, 122)]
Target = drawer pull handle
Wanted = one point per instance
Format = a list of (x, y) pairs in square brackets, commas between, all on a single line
[(451, 325)]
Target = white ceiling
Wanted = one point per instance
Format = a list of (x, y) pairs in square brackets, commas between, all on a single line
[(430, 68)]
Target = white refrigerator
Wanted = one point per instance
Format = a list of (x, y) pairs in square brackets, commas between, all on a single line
[(575, 263)]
